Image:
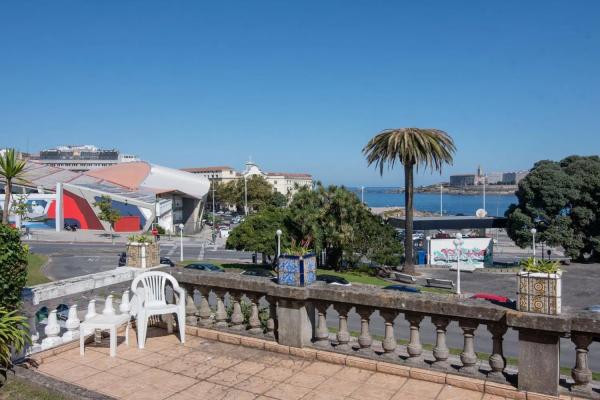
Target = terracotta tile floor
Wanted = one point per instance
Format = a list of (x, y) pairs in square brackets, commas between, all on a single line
[(204, 369)]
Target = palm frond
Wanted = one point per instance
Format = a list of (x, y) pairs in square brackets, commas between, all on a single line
[(428, 148)]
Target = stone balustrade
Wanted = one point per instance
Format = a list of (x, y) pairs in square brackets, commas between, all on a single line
[(298, 316)]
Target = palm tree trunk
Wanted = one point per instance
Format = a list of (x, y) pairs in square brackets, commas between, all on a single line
[(409, 266), (7, 193)]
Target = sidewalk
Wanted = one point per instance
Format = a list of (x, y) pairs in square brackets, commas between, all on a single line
[(97, 236)]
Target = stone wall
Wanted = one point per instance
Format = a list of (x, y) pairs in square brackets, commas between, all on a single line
[(135, 252)]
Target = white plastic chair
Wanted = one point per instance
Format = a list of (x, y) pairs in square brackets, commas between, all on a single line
[(151, 300)]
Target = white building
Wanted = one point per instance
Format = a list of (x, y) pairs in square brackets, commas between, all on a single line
[(285, 183), (82, 158)]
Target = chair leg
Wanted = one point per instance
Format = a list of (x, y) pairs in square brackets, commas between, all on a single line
[(141, 331), (181, 325)]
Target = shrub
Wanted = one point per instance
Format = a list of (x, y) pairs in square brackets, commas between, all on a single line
[(13, 267), (544, 266), (14, 335)]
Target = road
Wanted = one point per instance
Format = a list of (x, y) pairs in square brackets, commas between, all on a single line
[(67, 260)]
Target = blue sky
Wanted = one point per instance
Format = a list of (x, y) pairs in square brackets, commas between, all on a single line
[(302, 86)]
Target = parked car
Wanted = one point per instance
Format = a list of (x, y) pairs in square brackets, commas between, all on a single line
[(204, 267), (594, 308), (402, 288), (496, 299), (333, 280), (258, 272), (122, 259), (167, 261)]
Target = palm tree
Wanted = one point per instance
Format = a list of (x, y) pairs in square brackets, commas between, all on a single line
[(430, 148), (10, 168)]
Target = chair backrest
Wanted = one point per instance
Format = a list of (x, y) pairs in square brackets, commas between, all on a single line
[(154, 287)]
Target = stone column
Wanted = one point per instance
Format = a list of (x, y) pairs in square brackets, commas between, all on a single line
[(204, 311), (581, 373), (440, 351), (295, 322), (389, 343), (539, 361), (191, 312), (221, 314), (365, 340), (237, 317), (414, 348), (497, 360), (468, 356), (343, 335), (254, 326), (322, 333)]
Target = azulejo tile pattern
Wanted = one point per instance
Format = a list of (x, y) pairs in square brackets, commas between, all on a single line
[(297, 271)]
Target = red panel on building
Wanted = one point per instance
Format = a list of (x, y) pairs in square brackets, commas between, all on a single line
[(77, 208), (128, 224)]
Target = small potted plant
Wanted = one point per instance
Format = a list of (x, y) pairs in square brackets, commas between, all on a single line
[(142, 251), (297, 265), (539, 287)]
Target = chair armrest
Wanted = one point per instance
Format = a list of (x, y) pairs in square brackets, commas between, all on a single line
[(180, 291)]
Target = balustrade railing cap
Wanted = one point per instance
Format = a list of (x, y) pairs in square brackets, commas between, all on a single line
[(586, 321), (540, 322)]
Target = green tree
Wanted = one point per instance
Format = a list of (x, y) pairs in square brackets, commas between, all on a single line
[(413, 148), (260, 194), (13, 267), (19, 206), (258, 232), (107, 213), (11, 169), (562, 201)]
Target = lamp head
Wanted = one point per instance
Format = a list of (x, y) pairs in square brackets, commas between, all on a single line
[(278, 232), (181, 226), (533, 231)]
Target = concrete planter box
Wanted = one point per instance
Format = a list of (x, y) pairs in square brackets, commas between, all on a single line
[(539, 292), (297, 270), (142, 255)]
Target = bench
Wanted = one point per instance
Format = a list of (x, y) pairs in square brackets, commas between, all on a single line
[(404, 278), (440, 283)]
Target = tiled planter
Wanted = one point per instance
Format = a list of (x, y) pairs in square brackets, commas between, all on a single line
[(142, 255), (297, 270), (539, 292)]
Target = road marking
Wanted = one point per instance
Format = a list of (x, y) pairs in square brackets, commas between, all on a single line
[(170, 253)]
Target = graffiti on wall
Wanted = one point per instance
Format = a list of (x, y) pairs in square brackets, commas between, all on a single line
[(474, 251)]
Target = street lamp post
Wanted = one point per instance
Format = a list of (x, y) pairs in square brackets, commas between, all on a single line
[(181, 242), (278, 232), (362, 194), (458, 242), (428, 238), (441, 199), (533, 232), (245, 197)]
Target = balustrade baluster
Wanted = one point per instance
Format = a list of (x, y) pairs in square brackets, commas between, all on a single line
[(204, 311), (389, 343), (343, 335), (440, 351), (237, 317), (322, 333), (191, 311), (254, 326), (365, 340), (221, 313), (272, 320), (468, 356), (497, 360), (581, 373), (414, 348)]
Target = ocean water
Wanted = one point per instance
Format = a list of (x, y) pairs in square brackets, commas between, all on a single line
[(452, 204)]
